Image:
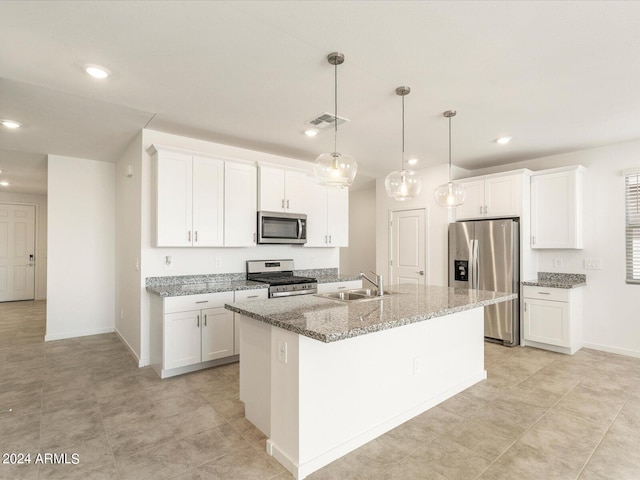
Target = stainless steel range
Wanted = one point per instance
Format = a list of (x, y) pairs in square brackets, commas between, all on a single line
[(279, 275)]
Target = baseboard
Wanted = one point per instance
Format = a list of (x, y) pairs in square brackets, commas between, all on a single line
[(130, 348), (300, 471), (617, 350), (41, 298), (85, 333)]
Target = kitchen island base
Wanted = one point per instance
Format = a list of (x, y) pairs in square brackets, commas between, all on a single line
[(318, 401)]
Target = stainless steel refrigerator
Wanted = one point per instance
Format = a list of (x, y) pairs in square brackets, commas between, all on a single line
[(485, 255)]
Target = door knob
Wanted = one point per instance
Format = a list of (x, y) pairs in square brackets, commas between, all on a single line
[(421, 272)]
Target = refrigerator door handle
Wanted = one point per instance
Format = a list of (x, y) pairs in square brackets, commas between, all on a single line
[(475, 261)]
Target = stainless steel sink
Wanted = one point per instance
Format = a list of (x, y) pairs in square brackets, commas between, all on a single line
[(355, 295)]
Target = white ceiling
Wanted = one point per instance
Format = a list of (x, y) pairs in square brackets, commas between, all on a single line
[(557, 76)]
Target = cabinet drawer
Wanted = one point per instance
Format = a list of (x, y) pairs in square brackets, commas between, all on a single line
[(197, 302), (257, 294), (546, 293)]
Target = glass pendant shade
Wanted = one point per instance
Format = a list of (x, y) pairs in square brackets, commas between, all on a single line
[(403, 185), (335, 169), (450, 194)]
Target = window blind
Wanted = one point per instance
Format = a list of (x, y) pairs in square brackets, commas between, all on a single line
[(632, 203)]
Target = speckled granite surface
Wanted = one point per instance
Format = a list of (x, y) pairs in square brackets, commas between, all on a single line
[(178, 285), (558, 280), (329, 320)]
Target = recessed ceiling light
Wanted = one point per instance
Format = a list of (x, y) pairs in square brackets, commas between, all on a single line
[(4, 183), (10, 124), (96, 71), (503, 140), (311, 132), (412, 161)]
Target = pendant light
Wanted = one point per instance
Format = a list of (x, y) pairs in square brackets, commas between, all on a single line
[(450, 194), (335, 169), (403, 184)]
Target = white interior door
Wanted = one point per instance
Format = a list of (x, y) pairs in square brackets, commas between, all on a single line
[(17, 252), (408, 246)]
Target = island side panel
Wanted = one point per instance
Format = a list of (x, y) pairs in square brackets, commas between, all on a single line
[(351, 391), (255, 372)]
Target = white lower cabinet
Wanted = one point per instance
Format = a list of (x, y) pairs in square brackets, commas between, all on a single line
[(243, 296), (553, 318), (337, 286), (191, 332)]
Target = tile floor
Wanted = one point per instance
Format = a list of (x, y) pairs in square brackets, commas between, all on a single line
[(539, 415)]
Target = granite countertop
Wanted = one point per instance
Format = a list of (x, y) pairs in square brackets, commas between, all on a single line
[(207, 287), (175, 286), (330, 320), (558, 280)]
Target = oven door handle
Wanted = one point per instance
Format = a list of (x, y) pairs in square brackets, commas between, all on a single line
[(293, 293), (299, 229)]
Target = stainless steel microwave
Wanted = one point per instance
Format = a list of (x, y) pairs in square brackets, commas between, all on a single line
[(283, 228)]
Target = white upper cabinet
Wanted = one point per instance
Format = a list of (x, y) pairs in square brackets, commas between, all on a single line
[(189, 199), (327, 210), (556, 208), (281, 190), (208, 198), (240, 204), (491, 197)]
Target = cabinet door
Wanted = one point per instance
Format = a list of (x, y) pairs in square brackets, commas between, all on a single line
[(555, 211), (546, 322), (208, 202), (181, 339), (295, 191), (316, 210), (217, 334), (271, 189), (338, 216), (503, 196), (240, 205), (243, 296), (473, 206), (173, 199)]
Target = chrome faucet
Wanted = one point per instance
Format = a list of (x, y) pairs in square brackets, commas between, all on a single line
[(378, 283)]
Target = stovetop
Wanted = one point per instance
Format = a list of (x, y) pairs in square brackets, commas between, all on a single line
[(283, 279)]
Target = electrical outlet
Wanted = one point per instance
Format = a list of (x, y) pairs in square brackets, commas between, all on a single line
[(558, 262), (282, 351), (218, 262), (416, 365), (312, 260)]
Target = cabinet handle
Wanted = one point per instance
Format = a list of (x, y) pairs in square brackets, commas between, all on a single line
[(189, 236), (341, 288), (252, 296), (486, 209), (198, 320), (287, 204), (205, 320), (533, 240), (254, 237), (196, 236), (544, 293), (480, 208), (525, 306), (329, 238), (203, 301), (326, 239), (283, 203)]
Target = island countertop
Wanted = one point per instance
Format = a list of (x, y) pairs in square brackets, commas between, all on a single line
[(329, 320)]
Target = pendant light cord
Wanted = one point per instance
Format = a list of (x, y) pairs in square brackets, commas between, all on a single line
[(449, 149), (335, 118), (402, 132)]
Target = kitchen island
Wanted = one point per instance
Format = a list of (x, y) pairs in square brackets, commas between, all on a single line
[(321, 377)]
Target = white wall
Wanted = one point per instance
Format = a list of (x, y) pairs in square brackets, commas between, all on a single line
[(81, 241), (437, 224), (191, 261), (360, 255), (40, 201), (610, 306), (128, 241)]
